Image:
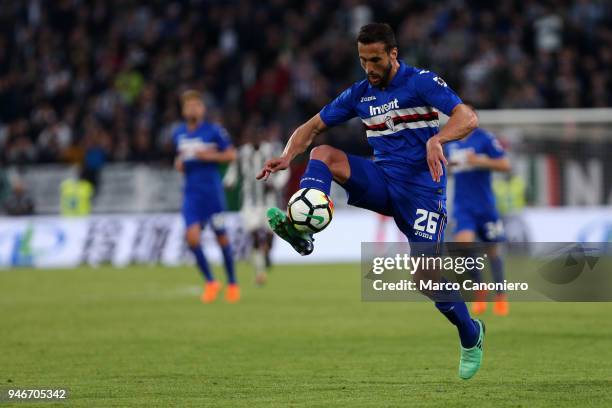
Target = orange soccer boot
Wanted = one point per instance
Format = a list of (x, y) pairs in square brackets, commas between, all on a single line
[(211, 290), (501, 306), (479, 306), (232, 294)]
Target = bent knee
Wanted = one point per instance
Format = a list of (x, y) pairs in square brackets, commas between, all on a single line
[(193, 242), (325, 153), (223, 240), (192, 238), (335, 159), (465, 236)]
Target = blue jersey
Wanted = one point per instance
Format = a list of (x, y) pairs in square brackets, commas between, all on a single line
[(473, 189), (398, 120), (201, 178)]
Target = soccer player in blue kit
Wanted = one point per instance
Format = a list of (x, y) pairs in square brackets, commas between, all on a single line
[(398, 104), (201, 146), (472, 160)]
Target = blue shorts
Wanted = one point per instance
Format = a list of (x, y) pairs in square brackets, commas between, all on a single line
[(487, 225), (419, 215), (202, 210)]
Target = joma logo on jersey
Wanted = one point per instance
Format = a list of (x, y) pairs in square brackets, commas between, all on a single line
[(379, 110), (368, 98)]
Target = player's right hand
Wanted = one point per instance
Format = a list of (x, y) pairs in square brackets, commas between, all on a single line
[(435, 158), (272, 166), (178, 164)]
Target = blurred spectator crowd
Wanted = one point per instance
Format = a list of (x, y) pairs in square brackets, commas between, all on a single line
[(92, 82)]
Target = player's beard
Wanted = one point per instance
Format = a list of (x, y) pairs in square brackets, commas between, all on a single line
[(384, 79)]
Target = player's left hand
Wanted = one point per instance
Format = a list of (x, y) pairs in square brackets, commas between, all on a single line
[(435, 158), (272, 166)]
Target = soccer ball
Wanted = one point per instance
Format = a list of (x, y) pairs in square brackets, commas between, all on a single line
[(310, 210)]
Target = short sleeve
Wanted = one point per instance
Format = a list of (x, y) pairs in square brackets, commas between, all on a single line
[(435, 91), (339, 110), (493, 148), (222, 138)]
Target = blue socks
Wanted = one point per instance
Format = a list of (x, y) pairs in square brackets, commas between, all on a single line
[(317, 176), (457, 313), (497, 269), (476, 275), (202, 263), (228, 259)]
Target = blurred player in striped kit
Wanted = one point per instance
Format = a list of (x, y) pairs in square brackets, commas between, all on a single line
[(259, 146)]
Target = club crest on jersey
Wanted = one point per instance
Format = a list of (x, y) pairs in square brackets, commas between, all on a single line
[(389, 123)]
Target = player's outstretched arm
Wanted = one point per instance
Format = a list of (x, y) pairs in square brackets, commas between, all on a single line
[(461, 122), (219, 156), (299, 141), (485, 162)]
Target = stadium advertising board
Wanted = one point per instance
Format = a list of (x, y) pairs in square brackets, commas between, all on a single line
[(158, 238)]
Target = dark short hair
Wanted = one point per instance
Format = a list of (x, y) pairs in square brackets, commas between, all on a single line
[(377, 33)]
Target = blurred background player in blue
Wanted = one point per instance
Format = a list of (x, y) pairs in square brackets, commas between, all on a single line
[(472, 160), (201, 146)]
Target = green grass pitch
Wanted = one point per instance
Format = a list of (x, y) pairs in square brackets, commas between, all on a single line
[(140, 337)]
